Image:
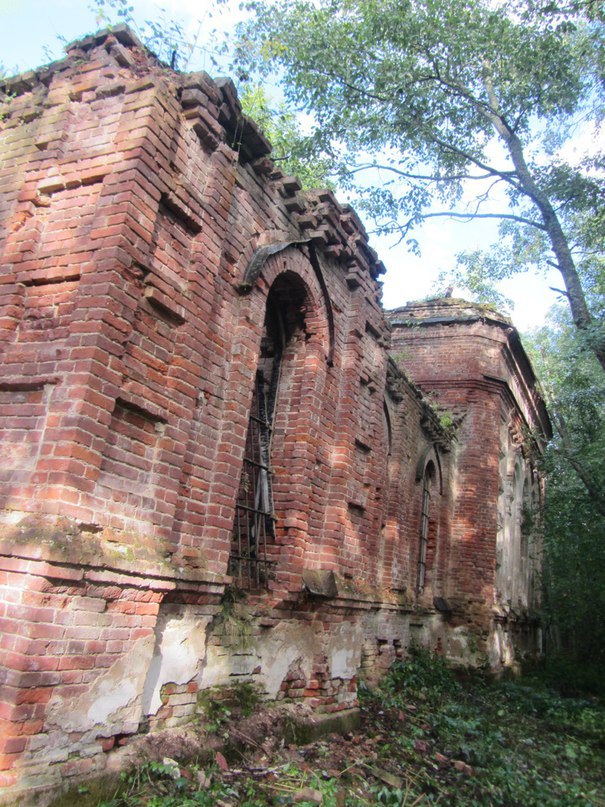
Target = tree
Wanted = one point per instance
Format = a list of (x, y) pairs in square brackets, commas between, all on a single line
[(574, 522), (288, 144), (440, 96)]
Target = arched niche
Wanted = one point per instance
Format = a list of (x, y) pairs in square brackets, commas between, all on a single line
[(258, 267)]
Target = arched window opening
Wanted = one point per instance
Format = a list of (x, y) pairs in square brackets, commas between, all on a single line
[(526, 535), (516, 551), (387, 431), (254, 528), (425, 517)]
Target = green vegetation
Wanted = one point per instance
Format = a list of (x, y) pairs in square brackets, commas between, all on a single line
[(464, 105), (510, 742), (235, 618), (574, 518), (218, 704), (446, 419), (290, 148), (428, 736), (160, 784)]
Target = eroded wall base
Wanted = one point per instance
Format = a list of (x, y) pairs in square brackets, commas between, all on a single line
[(101, 657)]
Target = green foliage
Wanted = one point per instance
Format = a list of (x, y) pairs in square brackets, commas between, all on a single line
[(447, 420), (524, 743), (291, 150), (215, 708), (155, 784), (574, 521), (564, 672), (219, 704), (462, 104), (235, 618), (430, 735), (421, 673)]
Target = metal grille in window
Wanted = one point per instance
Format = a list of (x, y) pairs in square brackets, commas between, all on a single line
[(424, 533), (254, 528)]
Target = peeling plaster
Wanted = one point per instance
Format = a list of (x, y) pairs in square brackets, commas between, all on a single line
[(344, 650), (178, 655), (501, 650), (285, 644), (112, 700), (274, 653), (218, 666)]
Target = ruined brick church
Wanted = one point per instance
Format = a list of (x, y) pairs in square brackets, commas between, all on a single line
[(222, 460)]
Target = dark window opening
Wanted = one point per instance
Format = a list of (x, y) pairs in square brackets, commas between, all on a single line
[(424, 529), (253, 545)]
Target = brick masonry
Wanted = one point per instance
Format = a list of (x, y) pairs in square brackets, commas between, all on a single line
[(145, 233)]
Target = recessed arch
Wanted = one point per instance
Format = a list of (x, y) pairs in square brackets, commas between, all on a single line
[(388, 429), (430, 454), (428, 484), (257, 264), (290, 347)]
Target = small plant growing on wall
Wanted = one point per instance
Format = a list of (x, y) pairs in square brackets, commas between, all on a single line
[(236, 622)]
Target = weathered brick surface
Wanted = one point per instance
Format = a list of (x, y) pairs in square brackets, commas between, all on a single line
[(144, 229), (471, 360)]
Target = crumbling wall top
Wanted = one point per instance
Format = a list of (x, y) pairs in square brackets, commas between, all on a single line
[(445, 309), (213, 110)]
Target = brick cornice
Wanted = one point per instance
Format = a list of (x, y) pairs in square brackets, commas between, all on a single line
[(37, 561)]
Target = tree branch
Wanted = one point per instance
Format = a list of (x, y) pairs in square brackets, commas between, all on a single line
[(475, 215), (507, 176), (421, 177), (359, 91), (405, 228), (559, 291)]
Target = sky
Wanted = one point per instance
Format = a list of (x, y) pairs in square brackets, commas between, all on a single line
[(33, 32)]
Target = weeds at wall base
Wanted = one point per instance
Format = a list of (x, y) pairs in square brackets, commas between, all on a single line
[(428, 736)]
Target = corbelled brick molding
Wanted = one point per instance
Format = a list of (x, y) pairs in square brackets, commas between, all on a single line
[(215, 468)]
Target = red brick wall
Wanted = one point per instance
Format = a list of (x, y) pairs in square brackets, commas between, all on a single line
[(139, 391), (139, 243), (469, 359)]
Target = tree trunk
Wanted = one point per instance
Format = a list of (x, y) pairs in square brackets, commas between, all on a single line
[(580, 313), (582, 317)]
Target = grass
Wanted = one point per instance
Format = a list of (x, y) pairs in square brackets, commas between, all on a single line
[(429, 736)]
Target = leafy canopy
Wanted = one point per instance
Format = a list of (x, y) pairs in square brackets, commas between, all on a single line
[(420, 80), (574, 524), (289, 145), (466, 104)]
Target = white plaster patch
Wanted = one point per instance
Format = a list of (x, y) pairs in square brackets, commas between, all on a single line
[(462, 649), (274, 653), (218, 667), (344, 651), (177, 657), (112, 700), (284, 644), (501, 651), (110, 696)]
